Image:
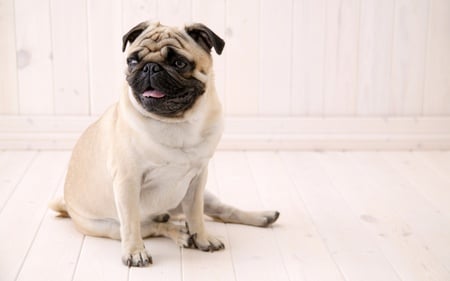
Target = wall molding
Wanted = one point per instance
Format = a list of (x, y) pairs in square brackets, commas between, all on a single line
[(256, 133)]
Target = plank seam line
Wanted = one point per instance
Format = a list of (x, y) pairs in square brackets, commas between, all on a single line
[(75, 269), (274, 233), (19, 181), (38, 228), (368, 232), (308, 211)]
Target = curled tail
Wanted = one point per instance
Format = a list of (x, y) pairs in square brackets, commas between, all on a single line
[(59, 205)]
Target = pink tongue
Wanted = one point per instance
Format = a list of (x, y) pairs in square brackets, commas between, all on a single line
[(153, 94)]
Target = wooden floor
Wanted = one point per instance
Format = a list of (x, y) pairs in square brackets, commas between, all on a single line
[(344, 216)]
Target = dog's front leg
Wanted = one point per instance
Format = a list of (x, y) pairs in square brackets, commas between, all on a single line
[(192, 205), (126, 196)]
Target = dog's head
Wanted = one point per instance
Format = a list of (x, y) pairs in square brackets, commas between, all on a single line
[(169, 68)]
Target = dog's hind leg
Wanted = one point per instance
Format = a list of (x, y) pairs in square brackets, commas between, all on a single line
[(214, 208), (178, 233), (110, 228)]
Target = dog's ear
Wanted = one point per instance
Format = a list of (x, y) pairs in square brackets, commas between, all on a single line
[(205, 37), (131, 35)]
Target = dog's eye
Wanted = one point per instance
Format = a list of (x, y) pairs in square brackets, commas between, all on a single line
[(132, 62), (180, 63)]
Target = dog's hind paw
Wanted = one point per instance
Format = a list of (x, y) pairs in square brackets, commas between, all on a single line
[(270, 218), (165, 217)]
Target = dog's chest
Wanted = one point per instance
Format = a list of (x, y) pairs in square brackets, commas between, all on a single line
[(165, 185), (171, 157)]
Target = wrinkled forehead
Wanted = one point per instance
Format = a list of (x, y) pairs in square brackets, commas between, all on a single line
[(157, 37), (156, 40)]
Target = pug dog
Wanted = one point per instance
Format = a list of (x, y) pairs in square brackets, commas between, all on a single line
[(146, 158)]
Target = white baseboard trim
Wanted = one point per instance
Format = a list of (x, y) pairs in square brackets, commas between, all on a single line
[(256, 133)]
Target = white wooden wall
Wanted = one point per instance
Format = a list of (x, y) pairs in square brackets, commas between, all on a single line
[(294, 73)]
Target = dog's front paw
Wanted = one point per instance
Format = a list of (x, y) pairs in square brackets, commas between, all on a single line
[(205, 243), (137, 258)]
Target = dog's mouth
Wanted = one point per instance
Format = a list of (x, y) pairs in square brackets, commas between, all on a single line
[(167, 103), (153, 94), (163, 94)]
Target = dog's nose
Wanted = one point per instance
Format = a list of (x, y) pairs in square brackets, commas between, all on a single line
[(152, 68)]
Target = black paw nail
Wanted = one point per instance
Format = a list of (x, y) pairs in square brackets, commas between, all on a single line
[(191, 241)]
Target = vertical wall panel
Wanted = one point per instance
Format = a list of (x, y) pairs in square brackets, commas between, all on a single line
[(408, 56), (308, 57), (8, 67), (375, 49), (282, 57), (106, 63), (437, 85), (341, 57), (34, 56), (174, 12), (242, 74), (136, 11), (211, 13), (70, 57), (276, 51)]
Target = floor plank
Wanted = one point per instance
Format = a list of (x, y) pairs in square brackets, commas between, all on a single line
[(438, 160), (100, 260), (344, 216), (386, 208), (251, 247), (22, 216), (58, 238), (13, 165), (425, 227), (349, 243), (304, 252), (423, 177)]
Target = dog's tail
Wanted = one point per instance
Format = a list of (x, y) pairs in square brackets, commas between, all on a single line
[(59, 205)]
